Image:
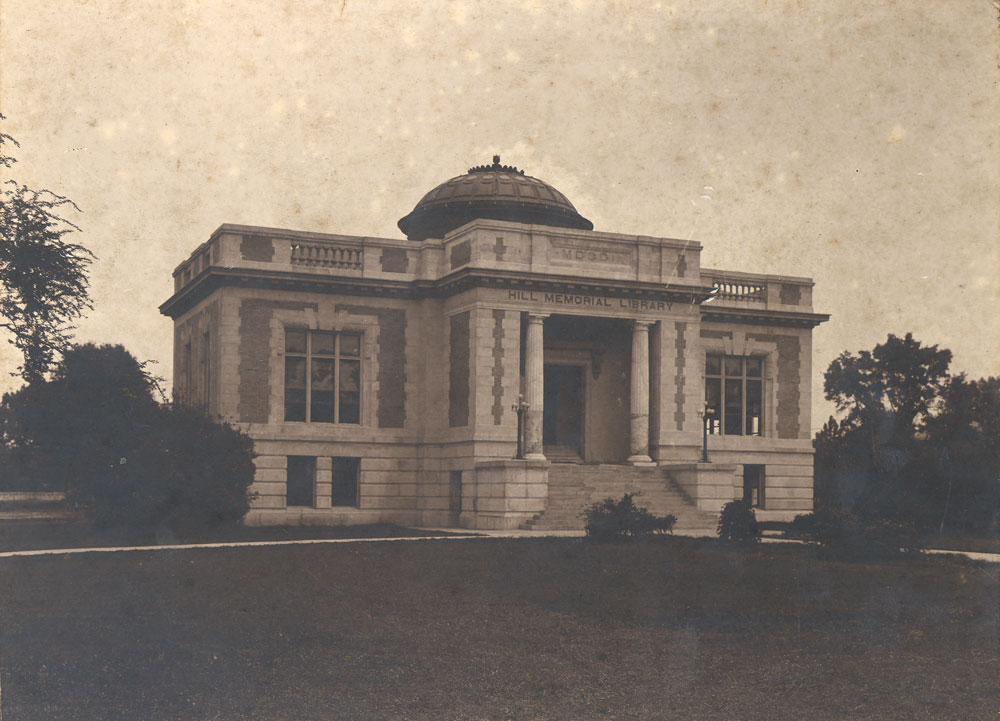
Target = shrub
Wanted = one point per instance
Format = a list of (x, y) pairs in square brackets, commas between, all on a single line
[(738, 522), (855, 534), (127, 462), (614, 520), (185, 473)]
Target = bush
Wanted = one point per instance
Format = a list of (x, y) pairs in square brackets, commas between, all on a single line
[(856, 535), (615, 520), (127, 462), (738, 523), (185, 473)]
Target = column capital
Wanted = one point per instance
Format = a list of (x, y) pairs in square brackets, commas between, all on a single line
[(641, 325), (537, 317)]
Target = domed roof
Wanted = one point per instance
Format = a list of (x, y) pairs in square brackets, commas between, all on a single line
[(494, 192)]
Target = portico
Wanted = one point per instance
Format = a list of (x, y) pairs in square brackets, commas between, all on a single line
[(574, 359)]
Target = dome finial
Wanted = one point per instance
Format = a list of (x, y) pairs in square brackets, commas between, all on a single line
[(495, 168)]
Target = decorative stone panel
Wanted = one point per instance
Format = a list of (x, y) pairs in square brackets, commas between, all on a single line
[(458, 370), (394, 260), (391, 361), (790, 294), (498, 336), (255, 346), (679, 378), (461, 254), (255, 247), (789, 379)]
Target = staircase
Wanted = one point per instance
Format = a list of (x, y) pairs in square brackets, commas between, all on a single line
[(574, 487)]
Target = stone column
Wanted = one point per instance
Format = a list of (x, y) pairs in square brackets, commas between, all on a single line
[(534, 390), (639, 420)]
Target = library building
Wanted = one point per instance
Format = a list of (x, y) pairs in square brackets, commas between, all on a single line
[(500, 365)]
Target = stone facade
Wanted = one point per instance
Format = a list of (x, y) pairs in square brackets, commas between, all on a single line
[(605, 336)]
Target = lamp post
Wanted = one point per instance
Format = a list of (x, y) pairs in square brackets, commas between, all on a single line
[(706, 416), (520, 407)]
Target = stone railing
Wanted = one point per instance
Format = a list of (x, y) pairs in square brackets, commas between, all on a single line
[(729, 290), (324, 255), (758, 291)]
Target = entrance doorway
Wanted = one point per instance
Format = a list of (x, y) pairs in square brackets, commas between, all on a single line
[(562, 419), (753, 485)]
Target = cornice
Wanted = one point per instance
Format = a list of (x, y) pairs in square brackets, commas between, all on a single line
[(465, 279), (750, 316)]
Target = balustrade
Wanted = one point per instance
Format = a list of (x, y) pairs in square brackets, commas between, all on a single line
[(740, 292), (323, 255)]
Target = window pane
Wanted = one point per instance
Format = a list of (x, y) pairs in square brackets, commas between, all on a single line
[(734, 406), (755, 367), (322, 343), (350, 345), (350, 391), (755, 409), (295, 389), (295, 341), (734, 367), (713, 365), (322, 390)]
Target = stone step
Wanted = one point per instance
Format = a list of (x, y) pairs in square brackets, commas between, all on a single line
[(573, 488)]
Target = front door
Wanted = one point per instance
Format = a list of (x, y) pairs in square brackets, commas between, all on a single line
[(562, 420)]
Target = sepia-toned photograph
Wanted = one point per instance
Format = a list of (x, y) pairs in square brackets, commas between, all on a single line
[(484, 361)]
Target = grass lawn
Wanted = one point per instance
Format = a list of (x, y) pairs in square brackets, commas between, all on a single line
[(497, 629)]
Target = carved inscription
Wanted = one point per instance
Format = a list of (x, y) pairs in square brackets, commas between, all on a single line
[(587, 300), (561, 252)]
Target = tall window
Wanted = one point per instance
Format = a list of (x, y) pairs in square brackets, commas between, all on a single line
[(322, 376), (734, 390)]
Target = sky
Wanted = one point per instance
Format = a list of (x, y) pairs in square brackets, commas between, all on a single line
[(852, 142)]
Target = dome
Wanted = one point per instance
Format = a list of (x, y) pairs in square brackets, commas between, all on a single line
[(494, 192)]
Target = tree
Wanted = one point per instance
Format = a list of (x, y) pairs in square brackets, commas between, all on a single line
[(885, 394), (43, 277), (898, 381), (81, 422), (126, 461), (958, 463), (913, 445)]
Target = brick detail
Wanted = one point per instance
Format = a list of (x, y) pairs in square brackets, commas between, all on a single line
[(255, 350), (394, 260), (391, 411), (716, 334), (254, 247), (790, 294), (679, 378), (461, 254), (498, 318), (789, 378), (458, 371)]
